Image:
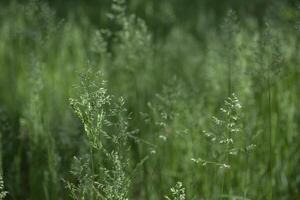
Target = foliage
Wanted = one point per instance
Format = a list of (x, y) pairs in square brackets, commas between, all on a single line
[(178, 192)]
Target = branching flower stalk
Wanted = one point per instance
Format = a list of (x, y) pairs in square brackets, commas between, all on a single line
[(227, 137), (103, 172)]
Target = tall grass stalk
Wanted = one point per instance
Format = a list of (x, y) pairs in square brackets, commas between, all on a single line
[(103, 171), (269, 60)]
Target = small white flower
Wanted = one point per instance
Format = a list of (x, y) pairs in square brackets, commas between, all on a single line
[(224, 166), (152, 152), (164, 138)]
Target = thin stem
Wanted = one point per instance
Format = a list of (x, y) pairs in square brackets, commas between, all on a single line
[(229, 80), (92, 161), (270, 132)]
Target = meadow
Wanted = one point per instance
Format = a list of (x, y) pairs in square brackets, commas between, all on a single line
[(134, 100)]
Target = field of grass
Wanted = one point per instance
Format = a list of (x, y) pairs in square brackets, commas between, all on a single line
[(134, 100)]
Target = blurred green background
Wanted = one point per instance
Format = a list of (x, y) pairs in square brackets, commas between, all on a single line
[(174, 62)]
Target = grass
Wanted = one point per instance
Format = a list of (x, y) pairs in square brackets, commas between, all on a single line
[(118, 110)]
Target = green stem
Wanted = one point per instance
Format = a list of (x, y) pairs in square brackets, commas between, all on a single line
[(270, 133)]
